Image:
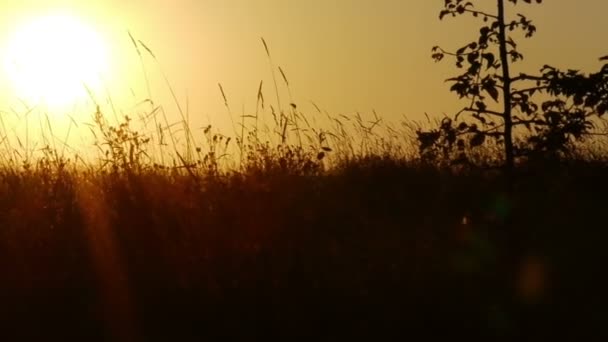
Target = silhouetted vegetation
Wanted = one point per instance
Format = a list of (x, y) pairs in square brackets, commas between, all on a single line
[(301, 233), (547, 112), (284, 246)]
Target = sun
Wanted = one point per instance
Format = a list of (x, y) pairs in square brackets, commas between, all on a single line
[(55, 60)]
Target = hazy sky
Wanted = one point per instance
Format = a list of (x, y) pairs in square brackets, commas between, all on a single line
[(345, 55)]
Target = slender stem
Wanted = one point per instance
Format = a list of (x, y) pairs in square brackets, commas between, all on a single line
[(526, 77), (504, 59), (485, 14), (485, 111)]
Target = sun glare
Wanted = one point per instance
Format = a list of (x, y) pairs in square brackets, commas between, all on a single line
[(55, 60)]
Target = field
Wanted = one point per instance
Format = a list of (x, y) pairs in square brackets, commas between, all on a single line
[(350, 236)]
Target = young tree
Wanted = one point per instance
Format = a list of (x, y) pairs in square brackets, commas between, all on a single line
[(570, 99)]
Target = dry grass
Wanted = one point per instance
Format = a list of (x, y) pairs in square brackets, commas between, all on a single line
[(295, 230), (345, 236)]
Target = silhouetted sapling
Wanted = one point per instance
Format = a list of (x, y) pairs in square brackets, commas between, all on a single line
[(548, 111)]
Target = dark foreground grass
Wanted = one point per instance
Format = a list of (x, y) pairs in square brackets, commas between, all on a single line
[(374, 247)]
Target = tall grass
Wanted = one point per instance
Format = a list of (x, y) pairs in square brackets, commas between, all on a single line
[(336, 231)]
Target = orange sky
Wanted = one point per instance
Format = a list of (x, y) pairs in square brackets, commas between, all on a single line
[(345, 55)]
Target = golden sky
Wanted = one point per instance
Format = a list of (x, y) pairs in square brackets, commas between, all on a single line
[(345, 55)]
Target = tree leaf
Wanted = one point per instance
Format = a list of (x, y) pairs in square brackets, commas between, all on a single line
[(489, 57), (492, 91), (477, 140)]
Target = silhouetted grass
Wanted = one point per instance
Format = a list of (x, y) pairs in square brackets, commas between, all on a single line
[(344, 234), (287, 247)]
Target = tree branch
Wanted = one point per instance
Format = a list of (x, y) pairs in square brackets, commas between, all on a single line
[(526, 90), (526, 77), (528, 122), (485, 111), (485, 14)]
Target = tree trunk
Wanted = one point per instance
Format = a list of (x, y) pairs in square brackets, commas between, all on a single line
[(506, 76)]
